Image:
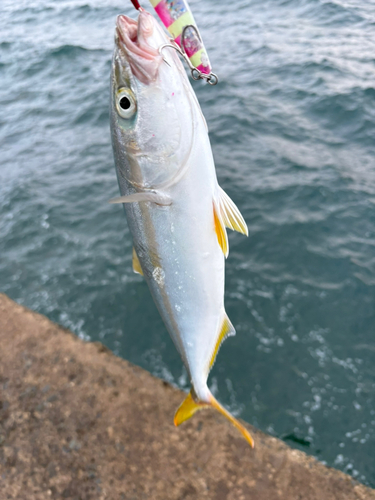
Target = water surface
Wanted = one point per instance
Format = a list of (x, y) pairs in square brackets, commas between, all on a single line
[(292, 125)]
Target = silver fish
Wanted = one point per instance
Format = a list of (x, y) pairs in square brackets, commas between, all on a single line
[(176, 211)]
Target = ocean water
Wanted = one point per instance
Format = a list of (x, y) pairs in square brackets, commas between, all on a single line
[(292, 125)]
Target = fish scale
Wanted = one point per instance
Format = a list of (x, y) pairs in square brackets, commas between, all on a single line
[(176, 211)]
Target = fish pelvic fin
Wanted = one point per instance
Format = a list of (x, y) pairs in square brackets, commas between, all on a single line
[(190, 406), (136, 264), (226, 330)]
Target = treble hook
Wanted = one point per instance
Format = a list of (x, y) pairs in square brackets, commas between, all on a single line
[(196, 74)]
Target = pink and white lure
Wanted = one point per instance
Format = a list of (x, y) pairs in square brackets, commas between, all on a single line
[(179, 21)]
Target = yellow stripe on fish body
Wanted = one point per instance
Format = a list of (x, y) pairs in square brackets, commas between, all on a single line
[(187, 288)]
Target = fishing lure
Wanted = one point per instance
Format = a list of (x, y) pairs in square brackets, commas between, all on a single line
[(185, 37)]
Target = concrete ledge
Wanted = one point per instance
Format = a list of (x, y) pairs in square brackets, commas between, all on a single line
[(77, 422)]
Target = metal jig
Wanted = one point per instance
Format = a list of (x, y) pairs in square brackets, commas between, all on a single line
[(196, 74)]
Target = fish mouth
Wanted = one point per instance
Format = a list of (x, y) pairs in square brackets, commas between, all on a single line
[(135, 41)]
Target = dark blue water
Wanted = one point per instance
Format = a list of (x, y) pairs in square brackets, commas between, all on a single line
[(292, 126)]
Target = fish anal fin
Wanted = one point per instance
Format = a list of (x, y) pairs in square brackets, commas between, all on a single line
[(226, 330), (187, 409), (136, 264), (230, 214), (220, 231)]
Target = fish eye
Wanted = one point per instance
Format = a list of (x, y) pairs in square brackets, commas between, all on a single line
[(125, 103)]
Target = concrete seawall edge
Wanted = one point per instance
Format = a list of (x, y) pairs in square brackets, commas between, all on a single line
[(77, 422)]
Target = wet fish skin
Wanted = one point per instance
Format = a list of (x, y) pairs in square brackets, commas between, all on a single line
[(175, 208)]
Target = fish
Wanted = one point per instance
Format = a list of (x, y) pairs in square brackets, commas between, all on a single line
[(176, 211)]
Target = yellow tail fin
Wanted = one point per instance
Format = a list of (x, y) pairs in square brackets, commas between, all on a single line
[(189, 407)]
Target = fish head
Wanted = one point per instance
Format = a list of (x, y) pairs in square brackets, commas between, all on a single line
[(152, 105)]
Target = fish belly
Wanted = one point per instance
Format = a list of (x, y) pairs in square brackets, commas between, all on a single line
[(183, 265)]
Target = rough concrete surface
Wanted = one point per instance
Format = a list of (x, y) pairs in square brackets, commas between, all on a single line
[(76, 422)]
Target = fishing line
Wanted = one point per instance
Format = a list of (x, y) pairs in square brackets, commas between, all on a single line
[(136, 4)]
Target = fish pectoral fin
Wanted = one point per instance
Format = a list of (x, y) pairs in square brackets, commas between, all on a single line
[(136, 264), (189, 406), (220, 230), (226, 214), (226, 330), (230, 214), (153, 196), (187, 409)]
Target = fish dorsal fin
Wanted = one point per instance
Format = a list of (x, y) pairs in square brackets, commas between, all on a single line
[(226, 330), (230, 214), (136, 264), (220, 230)]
